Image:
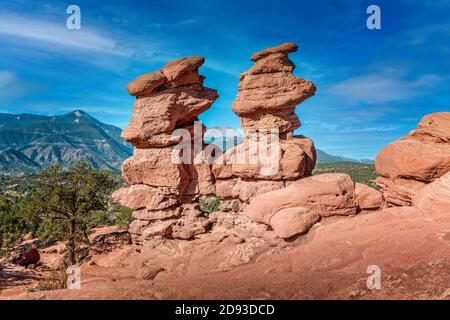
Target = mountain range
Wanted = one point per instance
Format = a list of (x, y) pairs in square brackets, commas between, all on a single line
[(29, 143)]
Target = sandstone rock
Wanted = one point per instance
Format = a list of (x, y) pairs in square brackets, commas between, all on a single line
[(136, 227), (230, 205), (170, 98), (202, 179), (249, 189), (25, 256), (268, 92), (290, 222), (140, 196), (150, 215), (146, 83), (183, 71), (187, 228), (325, 195), (368, 198), (290, 159), (245, 189), (413, 159), (162, 112), (106, 239), (411, 162), (434, 127), (26, 253), (183, 133), (155, 167), (435, 197), (399, 192), (158, 228), (283, 48)]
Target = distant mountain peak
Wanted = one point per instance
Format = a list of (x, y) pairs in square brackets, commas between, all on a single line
[(34, 142)]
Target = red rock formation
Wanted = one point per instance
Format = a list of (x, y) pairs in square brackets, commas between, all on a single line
[(435, 197), (293, 210), (368, 198), (270, 155), (421, 157), (166, 100), (269, 92)]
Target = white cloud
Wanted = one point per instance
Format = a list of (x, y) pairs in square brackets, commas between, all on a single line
[(322, 126), (45, 32), (386, 86)]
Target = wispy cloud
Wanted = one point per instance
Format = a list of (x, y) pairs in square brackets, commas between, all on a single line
[(385, 86), (45, 32), (322, 126)]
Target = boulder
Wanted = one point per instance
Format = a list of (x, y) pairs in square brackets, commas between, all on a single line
[(434, 127), (183, 71), (435, 197), (162, 112), (399, 192), (411, 158), (368, 198), (290, 222), (167, 99), (325, 195), (283, 48), (146, 83), (26, 252), (410, 163)]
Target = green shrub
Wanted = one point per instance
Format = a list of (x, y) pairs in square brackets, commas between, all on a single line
[(209, 204), (122, 216), (360, 172)]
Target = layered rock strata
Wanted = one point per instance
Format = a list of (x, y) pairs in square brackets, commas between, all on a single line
[(167, 168), (270, 155), (410, 163)]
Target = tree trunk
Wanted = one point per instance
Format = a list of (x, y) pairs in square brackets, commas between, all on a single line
[(72, 242)]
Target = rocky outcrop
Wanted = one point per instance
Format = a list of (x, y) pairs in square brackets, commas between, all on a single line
[(269, 92), (167, 168), (415, 160), (295, 209), (270, 171), (25, 253), (368, 198), (270, 155), (435, 197)]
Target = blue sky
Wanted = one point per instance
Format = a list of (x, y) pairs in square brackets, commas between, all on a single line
[(373, 85)]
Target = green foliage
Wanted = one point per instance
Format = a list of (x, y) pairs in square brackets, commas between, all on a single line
[(122, 215), (209, 204), (11, 224), (360, 172), (63, 201)]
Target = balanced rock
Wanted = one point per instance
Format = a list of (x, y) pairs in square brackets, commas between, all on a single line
[(323, 195), (169, 98), (269, 92)]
